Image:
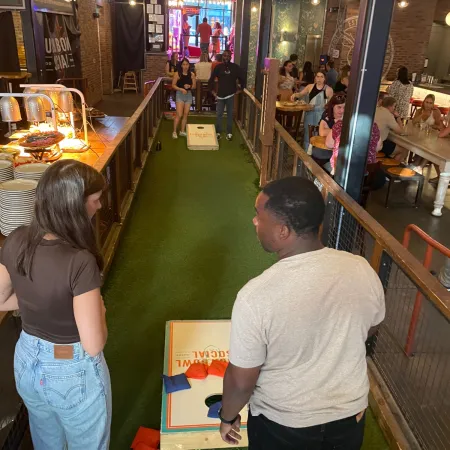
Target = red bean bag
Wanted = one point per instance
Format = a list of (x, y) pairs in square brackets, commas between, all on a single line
[(218, 368), (146, 439), (197, 371)]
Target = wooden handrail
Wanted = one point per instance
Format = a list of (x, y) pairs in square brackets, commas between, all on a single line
[(410, 265), (112, 147)]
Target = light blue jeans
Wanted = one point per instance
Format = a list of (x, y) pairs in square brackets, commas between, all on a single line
[(68, 400)]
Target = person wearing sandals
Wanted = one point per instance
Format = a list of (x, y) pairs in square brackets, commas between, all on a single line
[(183, 82)]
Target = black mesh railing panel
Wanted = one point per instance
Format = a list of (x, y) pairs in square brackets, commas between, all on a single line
[(412, 353)]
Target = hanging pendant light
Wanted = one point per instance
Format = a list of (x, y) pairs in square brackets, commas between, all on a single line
[(315, 2), (9, 109), (65, 102), (34, 107)]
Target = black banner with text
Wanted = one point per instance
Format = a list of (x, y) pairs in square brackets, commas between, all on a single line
[(62, 47)]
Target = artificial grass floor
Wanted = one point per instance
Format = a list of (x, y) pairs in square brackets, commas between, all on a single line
[(188, 247)]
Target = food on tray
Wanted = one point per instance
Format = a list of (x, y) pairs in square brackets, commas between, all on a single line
[(95, 113), (43, 139), (10, 150)]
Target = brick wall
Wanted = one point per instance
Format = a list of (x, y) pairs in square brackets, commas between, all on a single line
[(19, 39), (410, 32), (96, 67), (154, 66), (106, 48)]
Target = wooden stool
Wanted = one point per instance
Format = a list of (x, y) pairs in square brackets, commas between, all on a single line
[(130, 82), (402, 173)]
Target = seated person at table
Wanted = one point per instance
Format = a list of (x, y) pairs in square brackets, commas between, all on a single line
[(172, 65), (375, 176), (388, 119), (203, 68), (334, 111), (344, 80), (294, 59), (427, 116), (286, 81)]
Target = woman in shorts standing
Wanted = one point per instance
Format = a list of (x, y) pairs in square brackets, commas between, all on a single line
[(50, 271), (183, 82)]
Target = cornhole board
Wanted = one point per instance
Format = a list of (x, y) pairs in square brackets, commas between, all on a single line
[(184, 421), (201, 137)]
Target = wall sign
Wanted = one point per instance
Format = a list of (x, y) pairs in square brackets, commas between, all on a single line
[(53, 6), (59, 60), (12, 4)]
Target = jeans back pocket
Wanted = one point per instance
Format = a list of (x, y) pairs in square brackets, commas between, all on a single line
[(65, 391), (19, 368)]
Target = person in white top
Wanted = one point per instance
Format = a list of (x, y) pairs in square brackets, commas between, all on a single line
[(388, 119), (428, 116), (203, 68), (297, 349)]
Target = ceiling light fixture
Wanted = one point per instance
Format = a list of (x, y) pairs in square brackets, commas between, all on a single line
[(132, 2), (403, 4), (447, 19), (254, 9), (315, 2)]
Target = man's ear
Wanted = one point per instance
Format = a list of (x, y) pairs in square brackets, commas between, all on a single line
[(285, 232)]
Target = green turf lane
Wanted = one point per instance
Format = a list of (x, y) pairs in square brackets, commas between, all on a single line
[(188, 247)]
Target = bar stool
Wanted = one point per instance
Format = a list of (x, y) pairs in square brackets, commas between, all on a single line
[(415, 103), (444, 110)]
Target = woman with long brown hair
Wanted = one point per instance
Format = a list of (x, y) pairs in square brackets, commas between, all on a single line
[(50, 271)]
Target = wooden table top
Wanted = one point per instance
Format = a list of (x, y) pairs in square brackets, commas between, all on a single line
[(428, 143), (15, 75), (319, 142), (294, 108)]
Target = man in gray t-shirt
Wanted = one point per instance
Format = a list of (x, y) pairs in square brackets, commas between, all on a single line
[(297, 350)]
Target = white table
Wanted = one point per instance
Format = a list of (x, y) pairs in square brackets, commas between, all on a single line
[(432, 148)]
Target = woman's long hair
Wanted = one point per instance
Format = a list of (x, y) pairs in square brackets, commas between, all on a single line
[(344, 72), (60, 209), (337, 99), (308, 73), (283, 69), (172, 59), (180, 67), (403, 75), (217, 26), (433, 98)]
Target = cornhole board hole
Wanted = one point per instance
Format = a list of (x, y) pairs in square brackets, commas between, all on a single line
[(202, 137), (184, 421)]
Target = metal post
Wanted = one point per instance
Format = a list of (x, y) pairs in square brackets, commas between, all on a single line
[(265, 15), (367, 65), (245, 35)]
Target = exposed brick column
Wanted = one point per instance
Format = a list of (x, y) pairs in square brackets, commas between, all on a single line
[(95, 66), (155, 65)]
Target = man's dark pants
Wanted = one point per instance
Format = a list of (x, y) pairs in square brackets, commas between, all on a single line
[(344, 434), (204, 46), (221, 104)]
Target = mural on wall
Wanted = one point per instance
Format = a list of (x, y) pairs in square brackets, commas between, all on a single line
[(344, 40), (253, 45), (299, 19)]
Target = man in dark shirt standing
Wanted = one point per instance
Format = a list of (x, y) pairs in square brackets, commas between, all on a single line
[(205, 32), (228, 74)]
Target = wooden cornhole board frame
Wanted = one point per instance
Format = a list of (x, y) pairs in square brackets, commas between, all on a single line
[(201, 137), (184, 421)]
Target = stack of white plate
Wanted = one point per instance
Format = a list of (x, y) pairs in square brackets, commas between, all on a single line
[(6, 170), (17, 199), (30, 171)]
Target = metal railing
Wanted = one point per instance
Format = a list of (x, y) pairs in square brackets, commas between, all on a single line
[(419, 382), (121, 164)]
